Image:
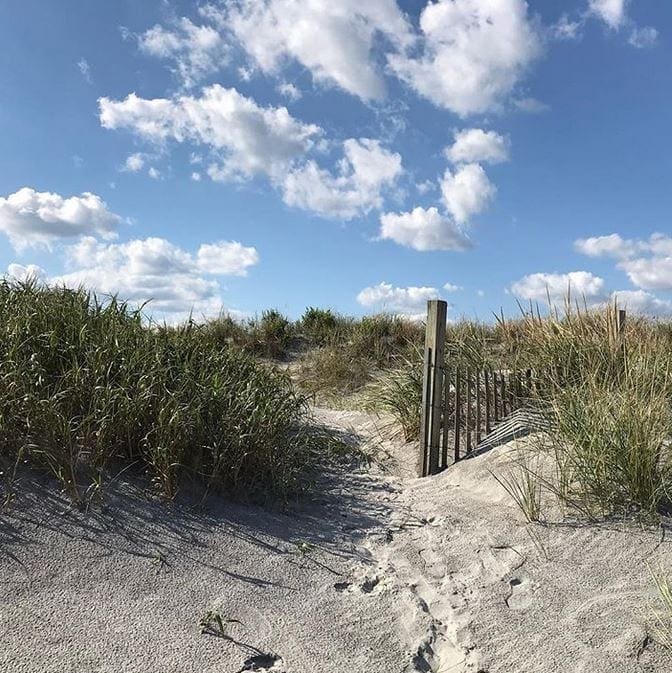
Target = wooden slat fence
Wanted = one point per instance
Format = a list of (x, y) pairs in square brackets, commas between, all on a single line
[(474, 402), (461, 406)]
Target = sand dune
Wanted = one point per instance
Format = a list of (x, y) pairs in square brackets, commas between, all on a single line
[(380, 572)]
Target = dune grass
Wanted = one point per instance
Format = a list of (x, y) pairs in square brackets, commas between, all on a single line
[(607, 401), (87, 389)]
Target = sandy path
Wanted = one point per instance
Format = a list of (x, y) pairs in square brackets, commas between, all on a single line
[(380, 572)]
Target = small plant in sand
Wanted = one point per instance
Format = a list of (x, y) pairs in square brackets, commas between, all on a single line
[(213, 624), (159, 561), (525, 488)]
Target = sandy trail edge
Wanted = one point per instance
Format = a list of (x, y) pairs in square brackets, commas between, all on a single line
[(432, 575)]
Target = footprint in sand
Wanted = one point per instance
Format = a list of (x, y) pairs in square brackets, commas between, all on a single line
[(520, 596), (365, 586)]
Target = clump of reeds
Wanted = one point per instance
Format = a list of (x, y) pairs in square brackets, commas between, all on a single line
[(398, 391), (86, 388), (606, 395)]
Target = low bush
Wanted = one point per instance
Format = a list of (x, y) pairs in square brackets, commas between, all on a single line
[(321, 326), (270, 335)]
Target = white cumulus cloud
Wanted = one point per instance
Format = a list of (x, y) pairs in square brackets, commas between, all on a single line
[(643, 37), (248, 139), (477, 145), (38, 219), (650, 273), (642, 303), (408, 301), (289, 91), (556, 286), (611, 245), (648, 263), (365, 171), (195, 51), (134, 162), (474, 53), (333, 40), (174, 281), (226, 258), (466, 191), (25, 272), (611, 12), (423, 229)]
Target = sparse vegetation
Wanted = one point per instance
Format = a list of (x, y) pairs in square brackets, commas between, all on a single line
[(213, 624), (522, 483)]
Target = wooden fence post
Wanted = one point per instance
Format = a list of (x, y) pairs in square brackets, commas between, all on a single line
[(430, 423), (620, 321)]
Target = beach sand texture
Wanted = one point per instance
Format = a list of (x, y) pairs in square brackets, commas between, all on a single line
[(380, 572)]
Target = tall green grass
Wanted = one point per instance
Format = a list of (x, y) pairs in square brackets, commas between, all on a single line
[(86, 389), (607, 401)]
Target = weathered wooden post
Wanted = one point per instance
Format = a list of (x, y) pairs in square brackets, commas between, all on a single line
[(467, 418), (430, 423), (620, 321)]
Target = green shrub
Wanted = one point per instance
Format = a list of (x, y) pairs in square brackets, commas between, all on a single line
[(329, 373), (398, 391), (320, 326), (270, 336), (382, 338)]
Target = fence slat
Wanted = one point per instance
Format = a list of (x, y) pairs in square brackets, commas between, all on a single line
[(426, 412), (446, 419), (458, 414), (486, 380), (468, 412), (505, 401), (495, 391), (478, 407)]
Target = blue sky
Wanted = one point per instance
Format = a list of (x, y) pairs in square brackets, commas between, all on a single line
[(362, 156)]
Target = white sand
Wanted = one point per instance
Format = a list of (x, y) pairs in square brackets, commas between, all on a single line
[(402, 575)]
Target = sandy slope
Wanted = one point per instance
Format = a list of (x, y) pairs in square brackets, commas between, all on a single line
[(379, 572)]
